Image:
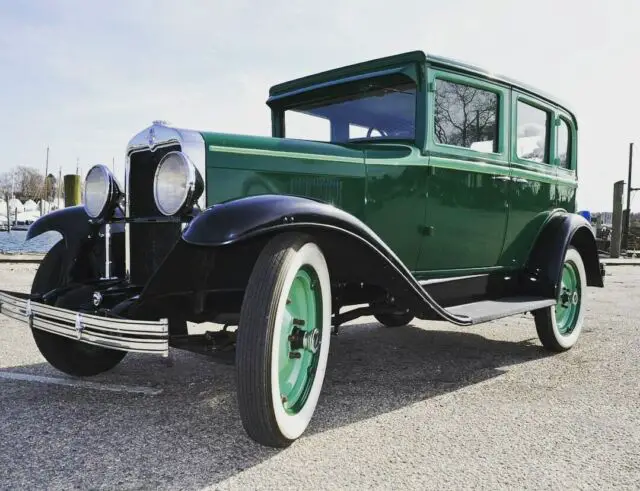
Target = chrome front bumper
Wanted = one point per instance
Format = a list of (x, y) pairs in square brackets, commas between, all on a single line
[(119, 334)]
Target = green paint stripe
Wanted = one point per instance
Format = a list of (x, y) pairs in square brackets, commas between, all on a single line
[(533, 175), (572, 183), (467, 166), (287, 155), (401, 163), (567, 177)]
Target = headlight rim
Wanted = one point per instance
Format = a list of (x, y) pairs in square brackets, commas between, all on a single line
[(191, 193), (112, 195)]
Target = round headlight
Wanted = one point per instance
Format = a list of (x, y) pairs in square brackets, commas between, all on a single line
[(177, 184), (100, 191)]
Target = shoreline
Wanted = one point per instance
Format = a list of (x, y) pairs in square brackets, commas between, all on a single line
[(21, 257), (36, 257)]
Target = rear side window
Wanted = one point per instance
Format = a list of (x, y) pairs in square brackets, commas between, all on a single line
[(563, 145), (533, 133), (466, 116)]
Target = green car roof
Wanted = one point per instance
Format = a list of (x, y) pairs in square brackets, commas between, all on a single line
[(338, 75)]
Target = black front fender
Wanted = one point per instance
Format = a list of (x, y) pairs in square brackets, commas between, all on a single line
[(244, 218), (80, 235), (354, 252), (72, 223), (547, 256)]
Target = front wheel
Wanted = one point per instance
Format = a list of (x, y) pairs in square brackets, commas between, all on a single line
[(559, 327), (283, 340), (67, 355)]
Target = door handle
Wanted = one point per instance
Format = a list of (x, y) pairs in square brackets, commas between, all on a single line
[(520, 180), (500, 178)]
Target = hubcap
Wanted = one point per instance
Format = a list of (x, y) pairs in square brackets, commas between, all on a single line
[(568, 306), (300, 340)]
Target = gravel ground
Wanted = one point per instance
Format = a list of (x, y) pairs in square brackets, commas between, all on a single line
[(426, 406)]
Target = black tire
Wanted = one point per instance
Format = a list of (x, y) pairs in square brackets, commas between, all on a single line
[(552, 335), (394, 320), (258, 349), (65, 354)]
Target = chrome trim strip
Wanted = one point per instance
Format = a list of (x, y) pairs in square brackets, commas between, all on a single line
[(287, 155), (107, 249), (451, 278), (120, 334), (160, 135)]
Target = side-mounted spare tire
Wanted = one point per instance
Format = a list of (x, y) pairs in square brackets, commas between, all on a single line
[(67, 355)]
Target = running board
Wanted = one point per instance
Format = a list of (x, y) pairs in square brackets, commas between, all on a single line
[(488, 310)]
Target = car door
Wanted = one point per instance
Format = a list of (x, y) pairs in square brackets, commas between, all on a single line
[(394, 201), (533, 194), (467, 179)]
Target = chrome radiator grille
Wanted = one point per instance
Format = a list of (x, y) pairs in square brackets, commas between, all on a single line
[(149, 242)]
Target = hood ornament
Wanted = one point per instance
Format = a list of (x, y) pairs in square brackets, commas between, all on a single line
[(151, 138)]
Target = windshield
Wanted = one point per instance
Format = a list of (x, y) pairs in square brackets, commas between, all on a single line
[(375, 111)]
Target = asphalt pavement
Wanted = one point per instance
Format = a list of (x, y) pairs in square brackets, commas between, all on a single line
[(429, 406)]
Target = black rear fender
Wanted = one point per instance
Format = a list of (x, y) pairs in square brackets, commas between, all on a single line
[(544, 266)]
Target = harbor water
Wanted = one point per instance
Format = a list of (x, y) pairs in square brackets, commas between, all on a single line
[(14, 242)]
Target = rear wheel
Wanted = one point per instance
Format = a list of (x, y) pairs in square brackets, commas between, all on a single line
[(283, 340), (67, 355), (560, 326)]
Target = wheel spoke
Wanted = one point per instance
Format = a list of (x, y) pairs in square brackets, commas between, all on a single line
[(297, 359), (568, 305)]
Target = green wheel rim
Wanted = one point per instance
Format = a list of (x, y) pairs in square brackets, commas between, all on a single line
[(569, 299), (299, 343)]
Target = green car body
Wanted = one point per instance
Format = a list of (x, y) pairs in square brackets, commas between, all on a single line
[(443, 209), (409, 186)]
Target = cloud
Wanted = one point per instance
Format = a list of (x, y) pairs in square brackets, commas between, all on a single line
[(84, 79)]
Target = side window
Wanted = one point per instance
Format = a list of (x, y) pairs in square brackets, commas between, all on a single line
[(466, 116), (533, 131), (563, 145)]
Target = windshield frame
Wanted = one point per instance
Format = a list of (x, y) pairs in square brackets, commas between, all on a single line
[(338, 88)]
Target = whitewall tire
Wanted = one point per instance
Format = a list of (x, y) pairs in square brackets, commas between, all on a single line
[(560, 326), (283, 340)]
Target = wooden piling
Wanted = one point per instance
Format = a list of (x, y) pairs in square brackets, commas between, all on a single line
[(72, 190), (616, 220)]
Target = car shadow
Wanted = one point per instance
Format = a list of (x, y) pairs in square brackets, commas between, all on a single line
[(190, 435)]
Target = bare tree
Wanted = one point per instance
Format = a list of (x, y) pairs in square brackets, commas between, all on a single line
[(26, 183), (5, 191), (29, 183), (6, 185), (464, 114)]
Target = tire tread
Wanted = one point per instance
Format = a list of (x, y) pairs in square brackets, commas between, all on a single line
[(253, 362)]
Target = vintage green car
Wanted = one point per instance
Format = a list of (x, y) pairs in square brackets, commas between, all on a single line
[(407, 186)]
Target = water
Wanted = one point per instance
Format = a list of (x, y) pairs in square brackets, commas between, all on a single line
[(14, 242)]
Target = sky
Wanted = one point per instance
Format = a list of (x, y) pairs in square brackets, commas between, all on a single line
[(84, 77)]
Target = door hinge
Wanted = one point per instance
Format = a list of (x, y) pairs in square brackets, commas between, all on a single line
[(431, 87)]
